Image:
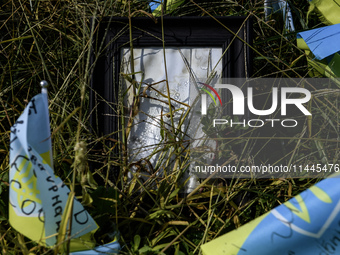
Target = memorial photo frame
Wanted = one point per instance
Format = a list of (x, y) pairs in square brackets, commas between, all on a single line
[(232, 35), (113, 34)]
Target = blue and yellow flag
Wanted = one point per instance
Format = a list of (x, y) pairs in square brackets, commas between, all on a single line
[(321, 44), (307, 224), (109, 248), (38, 197)]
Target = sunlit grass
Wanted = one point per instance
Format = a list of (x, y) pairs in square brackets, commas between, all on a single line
[(52, 40)]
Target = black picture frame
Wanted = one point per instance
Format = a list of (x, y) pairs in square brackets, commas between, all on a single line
[(113, 34)]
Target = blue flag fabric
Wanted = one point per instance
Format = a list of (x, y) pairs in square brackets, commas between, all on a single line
[(309, 223), (38, 197), (323, 42), (110, 248)]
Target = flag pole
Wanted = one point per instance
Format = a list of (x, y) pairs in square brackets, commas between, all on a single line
[(44, 85)]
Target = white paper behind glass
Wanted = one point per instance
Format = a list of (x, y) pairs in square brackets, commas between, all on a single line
[(184, 65)]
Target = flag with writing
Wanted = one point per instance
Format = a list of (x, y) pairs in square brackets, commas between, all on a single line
[(307, 224), (38, 197)]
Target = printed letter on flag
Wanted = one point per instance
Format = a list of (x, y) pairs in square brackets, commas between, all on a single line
[(37, 196)]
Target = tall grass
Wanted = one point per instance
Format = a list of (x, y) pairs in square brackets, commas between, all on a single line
[(52, 39)]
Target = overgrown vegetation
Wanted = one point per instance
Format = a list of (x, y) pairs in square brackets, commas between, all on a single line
[(52, 39)]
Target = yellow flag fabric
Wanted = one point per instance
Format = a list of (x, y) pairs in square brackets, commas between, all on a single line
[(171, 5), (327, 10), (306, 224), (109, 248), (38, 197), (322, 50), (327, 67)]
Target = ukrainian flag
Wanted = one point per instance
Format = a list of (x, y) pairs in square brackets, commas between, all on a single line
[(307, 224), (37, 197)]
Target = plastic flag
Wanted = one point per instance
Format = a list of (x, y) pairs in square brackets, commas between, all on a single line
[(37, 196), (322, 48), (327, 10), (110, 248), (323, 42), (307, 224), (171, 5), (153, 5)]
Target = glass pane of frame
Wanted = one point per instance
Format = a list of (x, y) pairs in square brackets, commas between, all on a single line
[(184, 66), (196, 48)]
